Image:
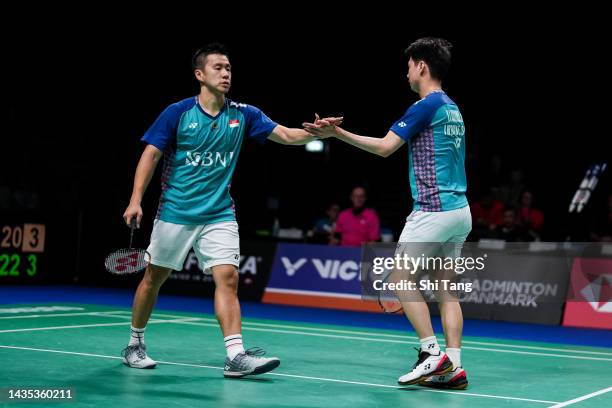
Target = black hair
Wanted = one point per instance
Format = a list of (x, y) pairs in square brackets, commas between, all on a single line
[(435, 52), (199, 57)]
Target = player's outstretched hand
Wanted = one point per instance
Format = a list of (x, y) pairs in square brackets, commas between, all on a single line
[(323, 128)]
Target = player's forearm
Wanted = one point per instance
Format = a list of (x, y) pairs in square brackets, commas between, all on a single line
[(297, 137), (369, 144), (144, 173)]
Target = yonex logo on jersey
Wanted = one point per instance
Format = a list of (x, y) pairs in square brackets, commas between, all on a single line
[(402, 124), (209, 159), (193, 125)]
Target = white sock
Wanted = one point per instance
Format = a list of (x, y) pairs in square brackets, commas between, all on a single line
[(136, 336), (455, 356), (233, 345), (430, 345)]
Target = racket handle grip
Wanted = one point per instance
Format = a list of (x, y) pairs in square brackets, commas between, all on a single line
[(132, 227)]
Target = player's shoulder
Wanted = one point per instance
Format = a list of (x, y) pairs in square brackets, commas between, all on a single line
[(182, 105), (437, 99), (434, 99), (242, 107), (250, 112)]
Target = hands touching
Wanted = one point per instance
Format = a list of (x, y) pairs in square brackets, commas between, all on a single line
[(323, 128)]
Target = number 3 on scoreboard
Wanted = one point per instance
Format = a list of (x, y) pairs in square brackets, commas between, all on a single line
[(33, 238), (32, 269)]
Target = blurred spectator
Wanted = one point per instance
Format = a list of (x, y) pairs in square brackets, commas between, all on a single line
[(357, 225), (487, 213), (511, 193), (511, 230), (529, 217), (602, 230), (324, 227), (492, 173)]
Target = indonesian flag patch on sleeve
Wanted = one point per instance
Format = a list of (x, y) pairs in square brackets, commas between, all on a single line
[(234, 123)]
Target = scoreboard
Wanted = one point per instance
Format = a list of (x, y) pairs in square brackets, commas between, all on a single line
[(22, 248)]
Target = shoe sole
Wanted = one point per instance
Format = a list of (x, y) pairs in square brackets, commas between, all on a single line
[(446, 368), (259, 370), (145, 367), (442, 386)]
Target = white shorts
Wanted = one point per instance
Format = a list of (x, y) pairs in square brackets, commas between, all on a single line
[(213, 244), (438, 227)]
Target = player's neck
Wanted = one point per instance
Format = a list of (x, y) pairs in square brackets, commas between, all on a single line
[(429, 87), (210, 102)]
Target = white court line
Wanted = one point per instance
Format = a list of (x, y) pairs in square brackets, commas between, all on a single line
[(193, 321), (124, 314), (482, 343), (584, 397), (373, 339), (421, 389), (416, 338), (7, 309), (111, 313), (81, 326), (458, 393)]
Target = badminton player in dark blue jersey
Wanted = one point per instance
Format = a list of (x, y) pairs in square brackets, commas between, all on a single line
[(434, 131)]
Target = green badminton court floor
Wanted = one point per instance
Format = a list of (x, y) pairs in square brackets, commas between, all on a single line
[(79, 347)]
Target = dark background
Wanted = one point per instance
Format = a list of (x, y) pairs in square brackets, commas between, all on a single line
[(78, 93)]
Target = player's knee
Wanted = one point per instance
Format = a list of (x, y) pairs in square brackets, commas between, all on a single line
[(231, 281), (226, 277), (155, 276)]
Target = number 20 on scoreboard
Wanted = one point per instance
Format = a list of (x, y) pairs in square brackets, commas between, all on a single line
[(19, 246)]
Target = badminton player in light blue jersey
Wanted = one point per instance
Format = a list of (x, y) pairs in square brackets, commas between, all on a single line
[(434, 130), (200, 140)]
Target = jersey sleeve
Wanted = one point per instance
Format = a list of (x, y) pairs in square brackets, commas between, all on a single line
[(163, 131), (415, 120), (258, 125)]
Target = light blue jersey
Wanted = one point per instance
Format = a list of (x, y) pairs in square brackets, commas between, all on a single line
[(434, 130), (200, 155)]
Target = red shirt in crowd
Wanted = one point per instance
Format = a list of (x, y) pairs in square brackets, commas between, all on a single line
[(531, 218), (489, 216), (358, 229)]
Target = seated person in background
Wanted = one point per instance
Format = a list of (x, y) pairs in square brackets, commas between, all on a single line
[(324, 227), (510, 194), (511, 230), (487, 213), (529, 217), (357, 225)]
